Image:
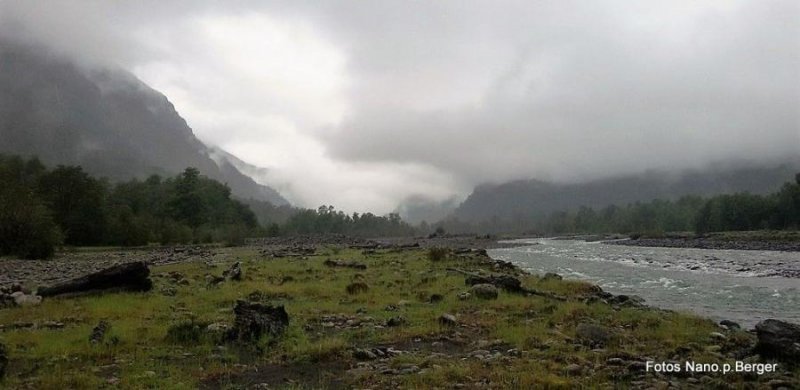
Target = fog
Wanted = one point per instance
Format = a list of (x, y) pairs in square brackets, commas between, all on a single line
[(365, 104)]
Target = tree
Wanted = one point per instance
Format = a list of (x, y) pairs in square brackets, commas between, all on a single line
[(26, 228), (76, 202)]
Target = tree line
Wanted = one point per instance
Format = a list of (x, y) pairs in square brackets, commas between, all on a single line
[(730, 212), (43, 208)]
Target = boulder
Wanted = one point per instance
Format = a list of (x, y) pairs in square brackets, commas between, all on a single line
[(22, 299), (254, 320), (133, 276), (778, 339), (484, 291)]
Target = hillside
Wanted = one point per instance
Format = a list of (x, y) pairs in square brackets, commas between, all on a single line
[(533, 198), (105, 120)]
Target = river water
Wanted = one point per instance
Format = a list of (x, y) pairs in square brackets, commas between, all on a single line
[(721, 284)]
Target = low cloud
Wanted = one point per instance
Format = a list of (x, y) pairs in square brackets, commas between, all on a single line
[(365, 104)]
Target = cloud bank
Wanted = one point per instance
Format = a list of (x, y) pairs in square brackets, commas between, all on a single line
[(365, 104)]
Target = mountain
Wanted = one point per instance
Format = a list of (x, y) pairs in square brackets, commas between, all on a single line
[(531, 198), (103, 119)]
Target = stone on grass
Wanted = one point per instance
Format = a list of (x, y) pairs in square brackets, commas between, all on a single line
[(254, 320), (99, 332), (448, 320), (484, 291)]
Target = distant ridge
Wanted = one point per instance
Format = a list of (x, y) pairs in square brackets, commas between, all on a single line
[(532, 198)]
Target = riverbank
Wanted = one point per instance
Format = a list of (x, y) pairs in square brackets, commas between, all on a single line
[(380, 314), (786, 241)]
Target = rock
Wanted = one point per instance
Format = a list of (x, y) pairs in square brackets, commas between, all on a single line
[(3, 361), (217, 327), (21, 299), (99, 332), (395, 321), (235, 272), (730, 325), (255, 319), (778, 339), (133, 276), (506, 282), (484, 291), (615, 361), (357, 288), (214, 280), (448, 320), (593, 336), (574, 369), (552, 276), (716, 336), (464, 296), (363, 354)]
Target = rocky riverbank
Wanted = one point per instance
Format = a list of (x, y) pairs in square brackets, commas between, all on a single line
[(369, 314), (711, 243)]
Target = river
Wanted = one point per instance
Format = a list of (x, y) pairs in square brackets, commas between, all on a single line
[(741, 286)]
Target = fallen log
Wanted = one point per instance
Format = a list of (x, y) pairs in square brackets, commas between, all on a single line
[(126, 277), (506, 282)]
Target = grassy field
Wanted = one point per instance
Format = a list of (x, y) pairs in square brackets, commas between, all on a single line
[(161, 339)]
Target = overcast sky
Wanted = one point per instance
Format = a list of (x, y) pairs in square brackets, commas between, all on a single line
[(362, 104)]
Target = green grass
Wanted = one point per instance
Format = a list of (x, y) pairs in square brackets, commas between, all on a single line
[(140, 351)]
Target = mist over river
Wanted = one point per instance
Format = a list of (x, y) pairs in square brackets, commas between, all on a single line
[(742, 286)]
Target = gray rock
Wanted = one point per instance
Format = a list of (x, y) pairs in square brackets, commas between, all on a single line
[(217, 327), (448, 320), (716, 336), (363, 354), (552, 276), (778, 339), (730, 325), (21, 299), (484, 291), (464, 296), (574, 369)]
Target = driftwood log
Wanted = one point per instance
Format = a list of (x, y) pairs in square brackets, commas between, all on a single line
[(506, 282), (127, 277)]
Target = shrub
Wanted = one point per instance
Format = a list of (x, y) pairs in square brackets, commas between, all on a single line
[(438, 254)]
